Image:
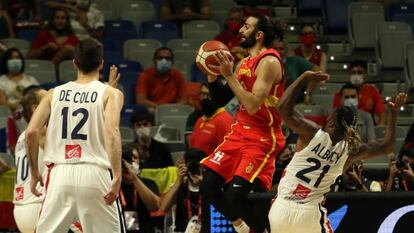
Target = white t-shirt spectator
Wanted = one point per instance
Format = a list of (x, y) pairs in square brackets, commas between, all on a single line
[(14, 89), (95, 21)]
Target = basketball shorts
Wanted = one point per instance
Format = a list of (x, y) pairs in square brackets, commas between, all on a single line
[(26, 216), (248, 153), (290, 217), (75, 192)]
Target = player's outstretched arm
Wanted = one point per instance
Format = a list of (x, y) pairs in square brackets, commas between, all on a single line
[(387, 145), (113, 104), (290, 115), (38, 120)]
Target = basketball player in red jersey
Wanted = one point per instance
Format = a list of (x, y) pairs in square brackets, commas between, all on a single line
[(244, 162)]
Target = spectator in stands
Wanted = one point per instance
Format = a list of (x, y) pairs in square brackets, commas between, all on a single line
[(161, 84), (88, 20), (369, 99), (230, 36), (6, 24), (57, 42), (13, 80), (22, 10), (308, 49), (401, 171), (154, 154), (349, 97), (139, 196), (353, 180), (185, 10), (212, 126), (251, 8), (17, 121), (183, 197)]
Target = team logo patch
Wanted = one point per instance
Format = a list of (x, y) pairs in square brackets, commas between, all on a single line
[(217, 157), (301, 192), (73, 151), (249, 168), (19, 193)]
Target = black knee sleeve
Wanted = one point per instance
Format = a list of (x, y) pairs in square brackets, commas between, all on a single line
[(211, 185)]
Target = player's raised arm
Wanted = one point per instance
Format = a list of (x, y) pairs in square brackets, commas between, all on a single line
[(387, 145), (38, 120), (290, 115), (114, 101)]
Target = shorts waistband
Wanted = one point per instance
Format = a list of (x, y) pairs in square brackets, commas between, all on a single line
[(296, 204)]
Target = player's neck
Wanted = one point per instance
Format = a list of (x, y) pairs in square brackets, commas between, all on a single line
[(256, 50), (86, 78)]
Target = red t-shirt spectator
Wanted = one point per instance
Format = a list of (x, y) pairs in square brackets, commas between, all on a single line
[(161, 91), (209, 132), (45, 37), (369, 100)]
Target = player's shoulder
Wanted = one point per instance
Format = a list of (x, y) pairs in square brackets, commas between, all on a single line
[(112, 92)]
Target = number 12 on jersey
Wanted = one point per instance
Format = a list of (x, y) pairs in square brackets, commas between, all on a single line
[(75, 132)]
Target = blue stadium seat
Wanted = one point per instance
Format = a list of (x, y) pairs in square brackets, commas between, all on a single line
[(402, 13), (27, 34), (112, 50), (131, 68), (159, 30), (197, 75), (48, 86), (335, 15), (128, 111), (119, 31), (308, 7), (129, 82), (3, 140)]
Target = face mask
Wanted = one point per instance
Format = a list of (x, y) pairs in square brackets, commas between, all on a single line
[(308, 39), (143, 132), (163, 66), (234, 26), (83, 4), (207, 107), (135, 168), (351, 102), (14, 65), (357, 79)]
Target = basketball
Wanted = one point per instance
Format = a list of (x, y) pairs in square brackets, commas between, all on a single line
[(205, 56)]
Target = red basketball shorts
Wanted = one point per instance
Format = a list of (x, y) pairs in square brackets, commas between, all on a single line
[(249, 153)]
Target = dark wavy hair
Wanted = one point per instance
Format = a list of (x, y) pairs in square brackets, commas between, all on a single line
[(270, 30), (6, 56), (68, 28)]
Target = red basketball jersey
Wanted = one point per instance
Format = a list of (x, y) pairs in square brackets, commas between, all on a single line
[(267, 115)]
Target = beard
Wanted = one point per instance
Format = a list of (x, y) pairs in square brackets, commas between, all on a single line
[(249, 41)]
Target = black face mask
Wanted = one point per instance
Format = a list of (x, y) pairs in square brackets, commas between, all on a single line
[(207, 107)]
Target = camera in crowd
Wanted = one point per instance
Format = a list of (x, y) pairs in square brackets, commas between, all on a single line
[(192, 158), (401, 164)]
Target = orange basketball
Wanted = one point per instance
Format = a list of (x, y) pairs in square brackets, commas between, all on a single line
[(205, 56)]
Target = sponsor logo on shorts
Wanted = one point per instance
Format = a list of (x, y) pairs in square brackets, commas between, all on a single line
[(249, 168), (73, 152), (264, 139), (217, 157), (19, 193), (301, 192)]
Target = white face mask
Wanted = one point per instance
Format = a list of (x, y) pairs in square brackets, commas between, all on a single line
[(357, 79), (143, 132), (135, 168), (351, 102)]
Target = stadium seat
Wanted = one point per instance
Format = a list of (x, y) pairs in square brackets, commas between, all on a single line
[(327, 89), (42, 70), (315, 113), (308, 7), (390, 38), (402, 13), (28, 34), (173, 115), (399, 142), (136, 11), (162, 31), (177, 155), (390, 89), (335, 15), (21, 44), (183, 68), (119, 31), (201, 29), (141, 50), (129, 81), (197, 75), (408, 55), (175, 146), (8, 158), (362, 18), (66, 67), (377, 164), (185, 49), (107, 9), (324, 100), (406, 115), (112, 50), (380, 132), (124, 67), (128, 111), (127, 135), (222, 5)]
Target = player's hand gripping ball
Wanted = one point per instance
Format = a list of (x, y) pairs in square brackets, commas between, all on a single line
[(205, 56)]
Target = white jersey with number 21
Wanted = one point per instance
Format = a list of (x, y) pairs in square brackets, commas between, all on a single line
[(313, 170)]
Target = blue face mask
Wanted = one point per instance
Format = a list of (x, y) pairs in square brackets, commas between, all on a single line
[(14, 65), (163, 66)]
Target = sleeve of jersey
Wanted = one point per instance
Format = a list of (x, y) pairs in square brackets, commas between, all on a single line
[(220, 94)]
